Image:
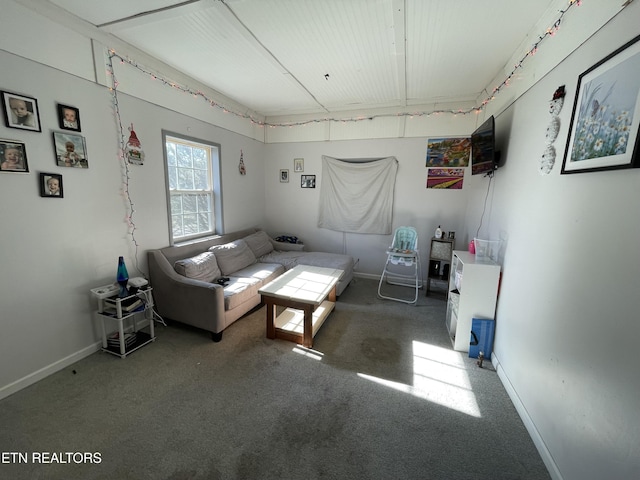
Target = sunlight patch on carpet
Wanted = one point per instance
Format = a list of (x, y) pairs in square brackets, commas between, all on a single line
[(308, 352), (439, 376)]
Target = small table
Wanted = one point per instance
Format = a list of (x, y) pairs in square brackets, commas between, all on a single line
[(309, 293), (113, 307)]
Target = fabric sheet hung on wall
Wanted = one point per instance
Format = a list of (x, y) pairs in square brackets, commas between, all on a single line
[(357, 197)]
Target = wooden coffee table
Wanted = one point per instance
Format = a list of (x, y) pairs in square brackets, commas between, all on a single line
[(309, 293)]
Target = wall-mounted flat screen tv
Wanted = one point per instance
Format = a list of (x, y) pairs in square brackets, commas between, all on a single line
[(483, 148)]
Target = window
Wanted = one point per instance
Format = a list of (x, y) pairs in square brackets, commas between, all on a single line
[(193, 187)]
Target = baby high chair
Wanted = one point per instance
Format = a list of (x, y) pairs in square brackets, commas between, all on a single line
[(403, 264)]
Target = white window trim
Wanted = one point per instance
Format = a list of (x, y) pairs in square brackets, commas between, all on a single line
[(216, 174)]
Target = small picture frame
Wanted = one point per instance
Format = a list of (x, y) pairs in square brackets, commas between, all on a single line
[(51, 185), (21, 112), (308, 181), (298, 164), (70, 150), (69, 117), (284, 175), (13, 156)]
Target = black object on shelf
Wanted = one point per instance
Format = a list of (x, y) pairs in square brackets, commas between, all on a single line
[(434, 268), (141, 338), (445, 271)]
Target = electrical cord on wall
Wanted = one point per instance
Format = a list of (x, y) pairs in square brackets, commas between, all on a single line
[(484, 208)]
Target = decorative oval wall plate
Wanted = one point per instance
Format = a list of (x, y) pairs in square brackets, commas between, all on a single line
[(547, 160), (552, 129), (555, 105)]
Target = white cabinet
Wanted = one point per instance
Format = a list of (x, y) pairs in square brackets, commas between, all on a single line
[(473, 292)]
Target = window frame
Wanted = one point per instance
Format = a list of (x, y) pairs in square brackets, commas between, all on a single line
[(215, 170)]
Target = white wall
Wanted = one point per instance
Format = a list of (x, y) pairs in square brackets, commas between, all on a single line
[(294, 210)]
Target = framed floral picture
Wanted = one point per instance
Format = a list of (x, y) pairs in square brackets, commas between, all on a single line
[(13, 155), (21, 112), (603, 134), (70, 150), (68, 117), (284, 175), (51, 185)]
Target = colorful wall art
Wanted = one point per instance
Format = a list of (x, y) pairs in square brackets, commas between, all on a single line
[(449, 178), (448, 152)]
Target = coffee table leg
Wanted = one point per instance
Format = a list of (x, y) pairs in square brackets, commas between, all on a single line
[(332, 295), (271, 314), (307, 339)]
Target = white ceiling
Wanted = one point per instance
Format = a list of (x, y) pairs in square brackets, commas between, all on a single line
[(284, 57)]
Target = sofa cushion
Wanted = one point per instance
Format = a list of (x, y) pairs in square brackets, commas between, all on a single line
[(327, 260), (201, 267), (240, 290), (265, 272), (286, 259), (314, 259), (259, 243), (243, 285), (233, 256)]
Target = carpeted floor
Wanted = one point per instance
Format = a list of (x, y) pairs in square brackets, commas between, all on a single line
[(380, 396)]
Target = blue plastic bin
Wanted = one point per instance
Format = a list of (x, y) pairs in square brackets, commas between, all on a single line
[(482, 332)]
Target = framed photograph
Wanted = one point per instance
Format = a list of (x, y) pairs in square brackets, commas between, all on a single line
[(298, 164), (71, 150), (603, 134), (13, 155), (51, 185), (68, 117), (308, 181), (284, 176), (21, 112)]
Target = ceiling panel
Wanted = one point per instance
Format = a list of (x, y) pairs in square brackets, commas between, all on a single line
[(209, 47), (281, 57), (102, 12), (352, 42), (454, 52)]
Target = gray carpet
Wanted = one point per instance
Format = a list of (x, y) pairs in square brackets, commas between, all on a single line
[(380, 396)]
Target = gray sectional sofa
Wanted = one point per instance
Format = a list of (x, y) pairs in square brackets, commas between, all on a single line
[(184, 278)]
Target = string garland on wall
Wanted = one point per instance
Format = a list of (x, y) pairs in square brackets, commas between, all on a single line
[(123, 160), (549, 32)]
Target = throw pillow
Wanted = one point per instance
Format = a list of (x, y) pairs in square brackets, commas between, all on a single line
[(233, 256), (259, 243), (201, 267)]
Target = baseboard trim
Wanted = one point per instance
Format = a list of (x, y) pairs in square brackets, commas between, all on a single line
[(48, 370), (59, 365), (546, 456), (370, 276)]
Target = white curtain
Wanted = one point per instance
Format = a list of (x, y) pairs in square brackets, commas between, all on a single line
[(357, 196)]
